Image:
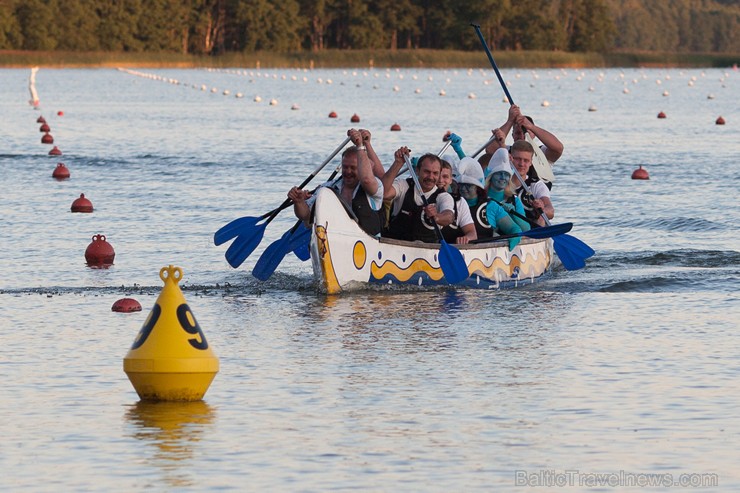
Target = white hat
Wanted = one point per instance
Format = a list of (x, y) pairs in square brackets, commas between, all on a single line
[(469, 171), (452, 159), (499, 162)]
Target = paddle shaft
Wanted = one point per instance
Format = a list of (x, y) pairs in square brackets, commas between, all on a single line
[(493, 63)]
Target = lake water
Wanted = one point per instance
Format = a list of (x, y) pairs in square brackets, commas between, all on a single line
[(630, 366)]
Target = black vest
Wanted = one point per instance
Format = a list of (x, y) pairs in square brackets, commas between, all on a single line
[(526, 199), (409, 224), (452, 231), (482, 228), (371, 221)]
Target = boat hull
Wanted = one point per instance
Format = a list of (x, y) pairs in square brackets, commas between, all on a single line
[(345, 258)]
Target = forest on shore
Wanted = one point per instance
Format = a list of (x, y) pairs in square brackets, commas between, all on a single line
[(317, 29)]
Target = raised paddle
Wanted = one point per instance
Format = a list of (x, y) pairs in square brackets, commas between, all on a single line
[(539, 161), (450, 259), (250, 231)]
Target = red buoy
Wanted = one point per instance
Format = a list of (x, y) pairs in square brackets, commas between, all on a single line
[(395, 127), (82, 204), (55, 152), (60, 113), (41, 119), (355, 118), (640, 174), (44, 127), (333, 114), (47, 139), (661, 115), (60, 172), (720, 121), (99, 253), (126, 305)]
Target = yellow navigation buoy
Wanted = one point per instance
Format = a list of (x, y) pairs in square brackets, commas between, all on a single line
[(170, 359)]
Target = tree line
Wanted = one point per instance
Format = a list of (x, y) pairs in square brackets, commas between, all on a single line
[(213, 27)]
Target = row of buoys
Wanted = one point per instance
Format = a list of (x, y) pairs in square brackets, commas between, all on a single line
[(170, 358)]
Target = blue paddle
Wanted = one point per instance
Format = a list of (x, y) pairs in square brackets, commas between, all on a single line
[(248, 231), (451, 260), (538, 233), (292, 239), (296, 239), (574, 251)]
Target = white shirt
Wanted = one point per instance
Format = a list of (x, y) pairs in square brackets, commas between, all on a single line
[(444, 199), (464, 217)]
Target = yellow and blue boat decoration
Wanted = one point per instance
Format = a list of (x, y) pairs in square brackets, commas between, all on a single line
[(345, 258)]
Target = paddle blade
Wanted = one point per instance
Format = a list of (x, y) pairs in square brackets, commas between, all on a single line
[(548, 231), (572, 251), (244, 245), (303, 252), (452, 263), (271, 257), (300, 241), (240, 226)]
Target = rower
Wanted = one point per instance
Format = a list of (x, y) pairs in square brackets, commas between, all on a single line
[(358, 187), (410, 219)]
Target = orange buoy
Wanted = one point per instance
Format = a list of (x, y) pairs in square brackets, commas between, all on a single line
[(355, 118), (99, 253), (60, 172), (126, 305), (44, 128), (47, 139), (60, 113), (661, 115), (41, 119), (720, 121), (333, 114), (55, 152), (82, 204), (640, 174), (395, 127)]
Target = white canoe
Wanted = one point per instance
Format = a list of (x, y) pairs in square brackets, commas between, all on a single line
[(345, 258)]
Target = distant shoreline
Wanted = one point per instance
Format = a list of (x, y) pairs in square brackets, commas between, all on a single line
[(367, 59)]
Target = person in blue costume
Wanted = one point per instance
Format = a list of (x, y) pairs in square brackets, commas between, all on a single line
[(500, 191)]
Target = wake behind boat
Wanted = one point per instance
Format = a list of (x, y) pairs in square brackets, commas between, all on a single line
[(346, 258)]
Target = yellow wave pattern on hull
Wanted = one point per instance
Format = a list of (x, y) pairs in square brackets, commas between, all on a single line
[(404, 274)]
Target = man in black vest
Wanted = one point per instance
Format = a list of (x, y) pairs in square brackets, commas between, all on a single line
[(358, 188), (410, 220)]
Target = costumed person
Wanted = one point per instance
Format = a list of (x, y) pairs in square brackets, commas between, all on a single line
[(502, 198)]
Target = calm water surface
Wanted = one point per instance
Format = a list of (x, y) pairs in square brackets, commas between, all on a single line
[(628, 366)]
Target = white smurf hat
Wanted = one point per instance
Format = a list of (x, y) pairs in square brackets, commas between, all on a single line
[(499, 162), (469, 171)]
